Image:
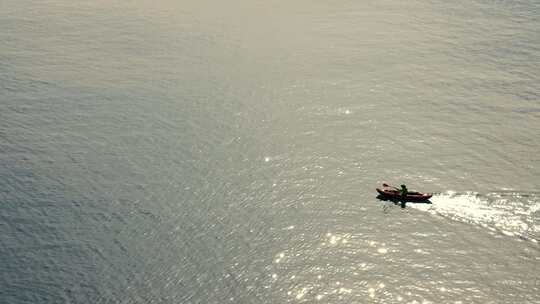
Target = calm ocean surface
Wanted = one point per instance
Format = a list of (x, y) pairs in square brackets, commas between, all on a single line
[(206, 152)]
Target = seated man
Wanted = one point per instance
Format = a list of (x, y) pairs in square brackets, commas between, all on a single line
[(403, 190)]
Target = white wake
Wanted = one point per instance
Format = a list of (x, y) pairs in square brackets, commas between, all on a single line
[(511, 213)]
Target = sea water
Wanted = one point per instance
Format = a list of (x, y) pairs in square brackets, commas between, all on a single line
[(206, 152)]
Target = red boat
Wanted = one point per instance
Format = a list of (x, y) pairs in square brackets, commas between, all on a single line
[(411, 196)]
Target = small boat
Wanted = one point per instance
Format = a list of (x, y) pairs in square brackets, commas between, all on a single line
[(411, 196)]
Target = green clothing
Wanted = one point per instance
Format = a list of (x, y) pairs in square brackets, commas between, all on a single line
[(404, 191)]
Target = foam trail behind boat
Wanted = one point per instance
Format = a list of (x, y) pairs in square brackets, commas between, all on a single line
[(511, 213)]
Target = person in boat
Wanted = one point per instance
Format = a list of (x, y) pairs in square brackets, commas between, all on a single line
[(403, 191)]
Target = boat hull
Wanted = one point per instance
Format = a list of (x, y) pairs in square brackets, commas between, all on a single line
[(394, 194)]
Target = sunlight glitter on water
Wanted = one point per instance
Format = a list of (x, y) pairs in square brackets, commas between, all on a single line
[(506, 214)]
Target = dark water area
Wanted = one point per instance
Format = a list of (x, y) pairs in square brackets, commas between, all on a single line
[(196, 152)]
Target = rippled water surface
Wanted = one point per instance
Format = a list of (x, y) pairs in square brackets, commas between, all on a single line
[(202, 152)]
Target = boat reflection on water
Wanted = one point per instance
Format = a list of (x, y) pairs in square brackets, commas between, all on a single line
[(401, 202)]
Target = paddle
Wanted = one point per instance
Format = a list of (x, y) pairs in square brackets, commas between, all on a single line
[(387, 185)]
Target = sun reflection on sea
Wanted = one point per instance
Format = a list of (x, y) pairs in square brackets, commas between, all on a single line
[(348, 268)]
